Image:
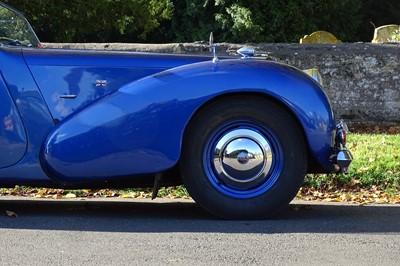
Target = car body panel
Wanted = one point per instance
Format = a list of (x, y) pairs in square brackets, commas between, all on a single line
[(70, 79), (34, 114), (13, 141), (142, 124)]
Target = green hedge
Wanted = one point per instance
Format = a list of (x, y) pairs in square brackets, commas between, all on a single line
[(159, 21), (94, 20)]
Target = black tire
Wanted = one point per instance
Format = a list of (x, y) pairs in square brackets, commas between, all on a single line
[(243, 157)]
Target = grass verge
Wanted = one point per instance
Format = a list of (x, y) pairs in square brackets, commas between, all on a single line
[(374, 174)]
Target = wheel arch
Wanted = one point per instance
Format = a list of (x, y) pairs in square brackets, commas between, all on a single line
[(313, 164)]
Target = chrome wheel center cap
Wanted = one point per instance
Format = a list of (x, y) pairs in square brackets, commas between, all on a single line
[(242, 156)]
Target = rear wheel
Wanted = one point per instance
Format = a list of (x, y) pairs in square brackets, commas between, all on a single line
[(243, 157)]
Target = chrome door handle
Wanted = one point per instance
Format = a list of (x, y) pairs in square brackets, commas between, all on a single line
[(67, 96)]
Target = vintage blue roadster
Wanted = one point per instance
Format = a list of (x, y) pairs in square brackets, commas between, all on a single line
[(240, 133)]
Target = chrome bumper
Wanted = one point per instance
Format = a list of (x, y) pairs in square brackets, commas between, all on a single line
[(341, 156)]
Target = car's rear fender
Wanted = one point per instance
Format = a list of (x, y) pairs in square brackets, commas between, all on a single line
[(139, 128)]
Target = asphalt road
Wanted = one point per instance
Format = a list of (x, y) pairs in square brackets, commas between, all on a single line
[(164, 232)]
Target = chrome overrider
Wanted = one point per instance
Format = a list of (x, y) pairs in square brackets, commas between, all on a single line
[(342, 157)]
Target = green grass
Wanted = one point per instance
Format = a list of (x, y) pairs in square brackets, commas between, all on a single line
[(376, 163)]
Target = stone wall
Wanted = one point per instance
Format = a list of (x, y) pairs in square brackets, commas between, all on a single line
[(361, 79)]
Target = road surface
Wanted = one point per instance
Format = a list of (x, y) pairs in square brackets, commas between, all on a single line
[(172, 232)]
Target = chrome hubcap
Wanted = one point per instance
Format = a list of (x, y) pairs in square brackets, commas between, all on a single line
[(242, 158)]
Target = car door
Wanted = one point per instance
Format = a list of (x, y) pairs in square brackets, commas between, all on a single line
[(13, 141)]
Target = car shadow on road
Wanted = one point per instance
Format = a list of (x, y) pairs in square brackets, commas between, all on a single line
[(127, 216)]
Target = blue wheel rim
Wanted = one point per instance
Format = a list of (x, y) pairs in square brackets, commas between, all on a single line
[(253, 181)]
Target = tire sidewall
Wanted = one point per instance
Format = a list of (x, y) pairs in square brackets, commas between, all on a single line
[(275, 120)]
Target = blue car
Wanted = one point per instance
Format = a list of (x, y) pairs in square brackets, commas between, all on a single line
[(240, 133)]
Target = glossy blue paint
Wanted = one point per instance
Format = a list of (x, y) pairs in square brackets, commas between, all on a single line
[(13, 140), (138, 129), (85, 76), (93, 58), (33, 112)]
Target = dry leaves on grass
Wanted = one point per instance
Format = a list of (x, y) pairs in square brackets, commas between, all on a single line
[(359, 196), (374, 129), (352, 193), (11, 214), (50, 193)]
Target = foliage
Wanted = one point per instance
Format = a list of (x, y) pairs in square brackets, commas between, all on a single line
[(98, 21), (395, 37), (287, 20), (264, 21), (15, 28), (193, 20), (239, 22)]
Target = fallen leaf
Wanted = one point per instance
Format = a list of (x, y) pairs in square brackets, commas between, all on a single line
[(354, 182), (70, 196), (362, 169), (126, 196), (356, 199), (11, 214), (332, 199), (345, 197)]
